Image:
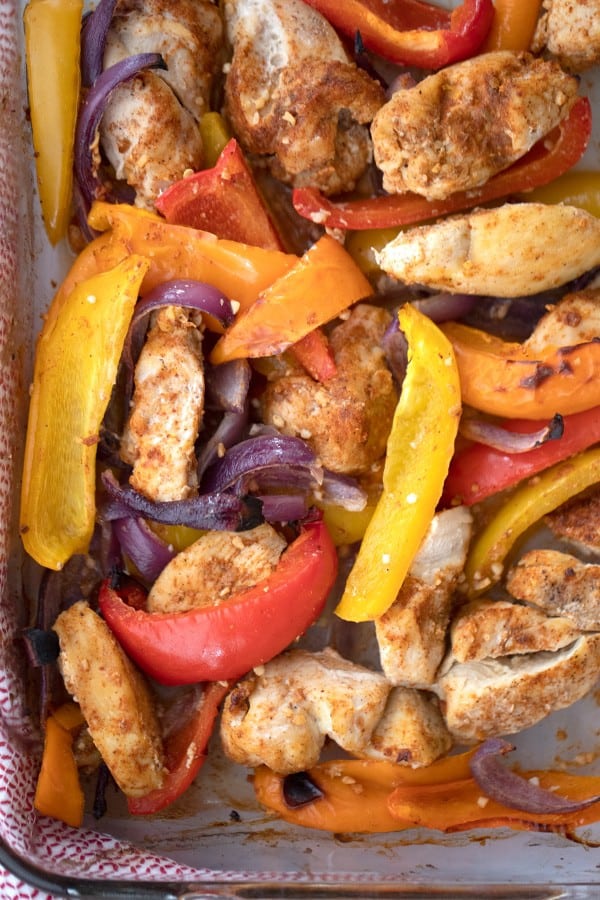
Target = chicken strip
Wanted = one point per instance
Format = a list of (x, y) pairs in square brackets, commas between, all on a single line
[(281, 716), (347, 420), (502, 252), (167, 408), (411, 732), (412, 634), (503, 696), (559, 584), (487, 629), (570, 31), (578, 522), (573, 320), (455, 129), (294, 96), (114, 699), (214, 568)]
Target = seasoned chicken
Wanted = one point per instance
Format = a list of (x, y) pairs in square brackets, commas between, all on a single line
[(502, 696), (167, 408), (412, 633), (294, 97), (347, 420), (574, 320), (578, 522), (487, 629), (502, 252), (455, 129), (570, 31), (114, 698), (411, 732), (559, 584), (282, 716), (215, 567)]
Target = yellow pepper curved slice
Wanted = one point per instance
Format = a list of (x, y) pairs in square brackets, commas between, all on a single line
[(543, 493), (52, 30), (419, 451), (580, 189), (77, 356), (513, 25)]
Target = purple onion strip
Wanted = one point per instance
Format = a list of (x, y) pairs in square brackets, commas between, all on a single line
[(227, 385), (143, 547), (284, 507), (506, 787), (91, 113), (511, 441), (198, 295), (256, 453), (228, 432), (93, 41)]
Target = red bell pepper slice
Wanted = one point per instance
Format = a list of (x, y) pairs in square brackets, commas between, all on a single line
[(315, 354), (410, 33), (223, 200), (550, 157), (185, 751), (224, 641), (479, 471)]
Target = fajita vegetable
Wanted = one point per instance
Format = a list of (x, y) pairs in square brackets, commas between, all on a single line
[(260, 442)]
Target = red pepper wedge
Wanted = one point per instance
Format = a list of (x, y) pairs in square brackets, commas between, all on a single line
[(478, 471), (410, 40), (226, 640), (185, 752), (550, 157), (223, 200)]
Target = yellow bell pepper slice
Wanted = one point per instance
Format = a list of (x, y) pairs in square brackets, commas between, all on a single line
[(52, 29), (215, 135), (76, 364), (542, 494), (580, 189), (419, 451)]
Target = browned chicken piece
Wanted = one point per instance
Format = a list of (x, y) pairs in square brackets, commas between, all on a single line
[(570, 31), (574, 320), (487, 629), (294, 96), (411, 732), (215, 567), (114, 698), (497, 697), (578, 522), (560, 584), (281, 714), (412, 634), (347, 420), (167, 408), (455, 129)]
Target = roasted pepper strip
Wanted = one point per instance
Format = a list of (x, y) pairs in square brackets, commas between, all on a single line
[(506, 379), (545, 492), (58, 792), (581, 189), (76, 363), (324, 282), (548, 159), (419, 451), (513, 25), (460, 36), (52, 30)]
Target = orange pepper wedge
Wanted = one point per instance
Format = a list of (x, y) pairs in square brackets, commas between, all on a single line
[(513, 25), (177, 251), (506, 379), (324, 282), (58, 791)]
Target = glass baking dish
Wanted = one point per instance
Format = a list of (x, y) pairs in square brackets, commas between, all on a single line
[(215, 842)]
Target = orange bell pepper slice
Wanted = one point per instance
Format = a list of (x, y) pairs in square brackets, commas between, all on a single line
[(513, 25), (506, 379), (324, 282), (58, 792)]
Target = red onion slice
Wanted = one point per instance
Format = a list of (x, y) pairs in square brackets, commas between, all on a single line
[(93, 41), (507, 441), (198, 295), (143, 547), (506, 787), (228, 432), (227, 385), (91, 113), (268, 451), (445, 307), (284, 508)]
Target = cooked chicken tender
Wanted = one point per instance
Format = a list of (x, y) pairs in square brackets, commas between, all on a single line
[(114, 698), (455, 129), (573, 320), (294, 97), (412, 634), (503, 696), (560, 584), (215, 567), (411, 732), (502, 252), (570, 31), (281, 717), (189, 37), (167, 408), (578, 522), (149, 138), (487, 629), (347, 420)]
